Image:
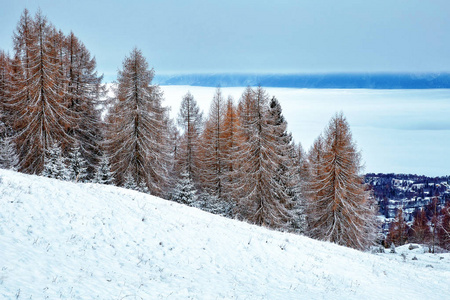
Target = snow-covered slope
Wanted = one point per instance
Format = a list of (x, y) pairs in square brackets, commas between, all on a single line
[(84, 241)]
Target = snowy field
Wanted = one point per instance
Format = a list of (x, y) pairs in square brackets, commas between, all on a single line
[(61, 240), (398, 131)]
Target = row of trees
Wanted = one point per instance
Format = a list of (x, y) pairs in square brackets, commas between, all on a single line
[(239, 161), (49, 91), (432, 229)]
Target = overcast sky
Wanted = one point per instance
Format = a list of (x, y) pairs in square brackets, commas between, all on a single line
[(295, 36)]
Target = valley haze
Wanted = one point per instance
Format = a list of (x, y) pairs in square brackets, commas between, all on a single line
[(398, 130)]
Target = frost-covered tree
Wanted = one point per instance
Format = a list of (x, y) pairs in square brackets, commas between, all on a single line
[(190, 119), (55, 164), (137, 127), (5, 92), (231, 137), (8, 155), (339, 209), (213, 148), (84, 89), (77, 166), (184, 191), (103, 174), (261, 198), (130, 182), (298, 175), (41, 116)]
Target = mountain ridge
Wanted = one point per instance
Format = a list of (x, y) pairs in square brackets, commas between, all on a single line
[(322, 81)]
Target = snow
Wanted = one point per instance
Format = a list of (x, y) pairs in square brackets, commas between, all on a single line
[(398, 131), (62, 240)]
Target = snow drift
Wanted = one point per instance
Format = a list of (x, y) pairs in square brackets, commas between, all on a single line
[(83, 241)]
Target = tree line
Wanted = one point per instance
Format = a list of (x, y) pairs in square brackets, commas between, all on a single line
[(239, 160)]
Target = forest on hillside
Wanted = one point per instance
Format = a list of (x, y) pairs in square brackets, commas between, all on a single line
[(238, 161)]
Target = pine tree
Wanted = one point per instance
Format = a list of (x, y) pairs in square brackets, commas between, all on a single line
[(339, 207), (137, 131), (103, 173), (8, 155), (185, 191), (40, 113), (129, 182), (84, 89), (190, 119), (55, 164), (77, 166), (212, 148), (262, 200), (298, 176)]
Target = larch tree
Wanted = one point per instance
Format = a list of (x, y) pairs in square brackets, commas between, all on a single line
[(190, 119), (136, 128), (5, 91), (261, 198), (444, 227), (8, 153), (231, 137), (212, 148), (420, 230), (41, 117), (398, 230), (340, 209)]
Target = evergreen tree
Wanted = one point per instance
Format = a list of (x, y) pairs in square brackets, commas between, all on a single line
[(84, 89), (55, 164), (185, 191), (339, 207), (130, 183), (297, 188), (77, 166), (8, 155), (137, 132), (103, 173), (261, 198), (142, 187)]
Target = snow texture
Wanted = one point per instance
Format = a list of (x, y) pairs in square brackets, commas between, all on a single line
[(65, 240)]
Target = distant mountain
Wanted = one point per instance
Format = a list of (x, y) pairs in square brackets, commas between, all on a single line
[(322, 81)]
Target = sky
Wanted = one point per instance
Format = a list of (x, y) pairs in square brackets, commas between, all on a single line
[(247, 36)]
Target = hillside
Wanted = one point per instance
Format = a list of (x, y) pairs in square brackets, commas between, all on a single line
[(61, 240)]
